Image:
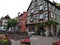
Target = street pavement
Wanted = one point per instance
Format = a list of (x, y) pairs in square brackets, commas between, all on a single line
[(38, 40), (15, 42)]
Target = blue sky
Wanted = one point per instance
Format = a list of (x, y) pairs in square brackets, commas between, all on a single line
[(12, 7)]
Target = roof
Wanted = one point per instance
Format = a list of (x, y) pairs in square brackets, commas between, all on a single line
[(6, 17), (54, 4), (29, 6)]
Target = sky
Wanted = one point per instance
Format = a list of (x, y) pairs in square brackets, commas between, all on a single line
[(12, 7)]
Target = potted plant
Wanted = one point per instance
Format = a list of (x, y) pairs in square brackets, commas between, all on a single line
[(25, 41)]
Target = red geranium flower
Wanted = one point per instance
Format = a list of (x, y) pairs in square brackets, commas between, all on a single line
[(58, 42), (25, 41)]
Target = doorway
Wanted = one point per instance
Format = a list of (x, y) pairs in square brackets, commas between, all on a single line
[(42, 31)]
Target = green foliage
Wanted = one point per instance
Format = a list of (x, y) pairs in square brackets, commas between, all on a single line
[(4, 42), (50, 22), (57, 23), (11, 23), (41, 24)]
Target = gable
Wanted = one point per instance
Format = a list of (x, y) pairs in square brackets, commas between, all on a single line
[(29, 6)]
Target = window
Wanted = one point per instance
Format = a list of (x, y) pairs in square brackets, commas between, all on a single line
[(41, 16), (35, 16), (45, 15), (32, 10), (41, 7), (45, 6), (31, 20), (52, 15)]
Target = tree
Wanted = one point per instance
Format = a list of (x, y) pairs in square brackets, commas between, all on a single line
[(14, 23), (11, 23)]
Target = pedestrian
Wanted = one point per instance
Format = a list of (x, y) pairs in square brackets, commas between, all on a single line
[(46, 32)]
